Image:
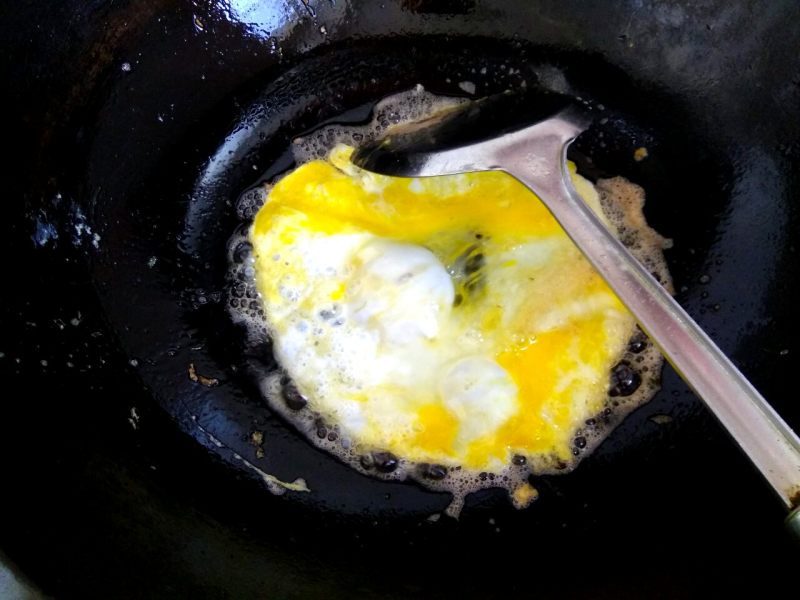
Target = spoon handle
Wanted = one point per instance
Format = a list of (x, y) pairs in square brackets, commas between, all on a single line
[(763, 435)]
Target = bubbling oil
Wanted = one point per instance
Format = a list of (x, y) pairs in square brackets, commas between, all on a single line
[(633, 381)]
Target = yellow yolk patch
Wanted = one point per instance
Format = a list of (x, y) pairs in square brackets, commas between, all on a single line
[(447, 320), (523, 495)]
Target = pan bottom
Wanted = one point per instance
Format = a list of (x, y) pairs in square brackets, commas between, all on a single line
[(176, 317)]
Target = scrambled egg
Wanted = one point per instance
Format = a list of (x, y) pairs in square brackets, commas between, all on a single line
[(447, 320)]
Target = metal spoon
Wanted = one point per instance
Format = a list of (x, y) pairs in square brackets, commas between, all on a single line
[(486, 135)]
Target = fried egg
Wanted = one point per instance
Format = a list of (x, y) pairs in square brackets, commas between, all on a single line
[(443, 328)]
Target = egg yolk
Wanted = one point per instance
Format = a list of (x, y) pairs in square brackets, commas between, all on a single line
[(448, 320)]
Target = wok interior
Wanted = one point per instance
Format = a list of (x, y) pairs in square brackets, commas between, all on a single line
[(157, 175), (685, 177)]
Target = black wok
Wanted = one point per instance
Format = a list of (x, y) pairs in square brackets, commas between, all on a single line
[(134, 127)]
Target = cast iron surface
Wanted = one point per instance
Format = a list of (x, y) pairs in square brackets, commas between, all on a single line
[(133, 130)]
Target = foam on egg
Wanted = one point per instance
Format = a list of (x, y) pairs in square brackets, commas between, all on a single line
[(440, 329)]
